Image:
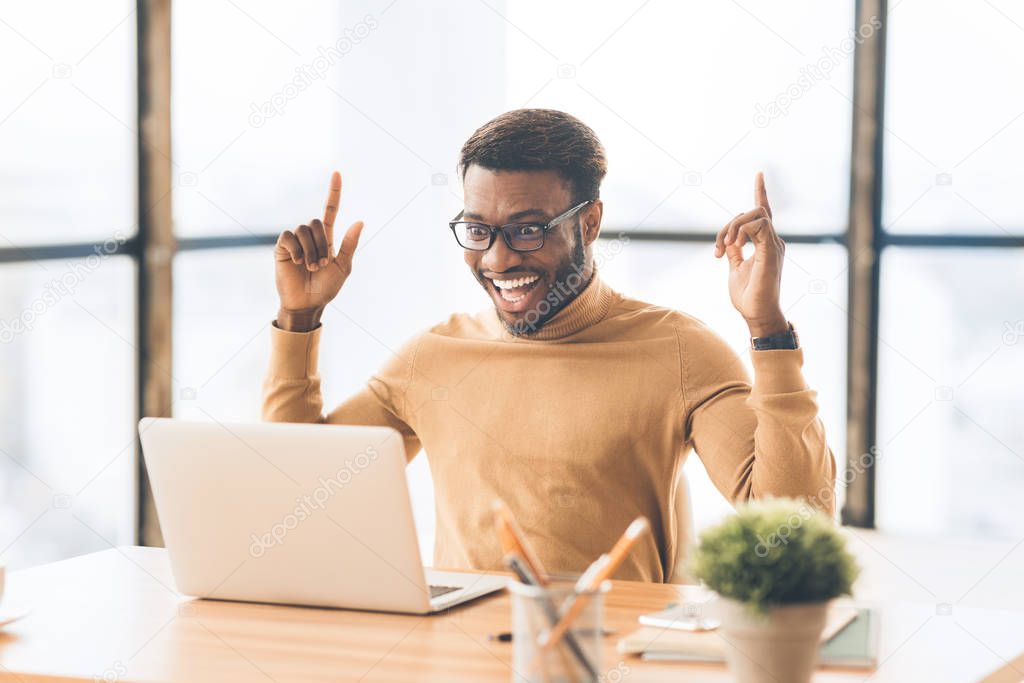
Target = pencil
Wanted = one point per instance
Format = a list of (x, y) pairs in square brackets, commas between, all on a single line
[(513, 540), (599, 571)]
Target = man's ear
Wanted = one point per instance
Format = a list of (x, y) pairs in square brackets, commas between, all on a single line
[(591, 220)]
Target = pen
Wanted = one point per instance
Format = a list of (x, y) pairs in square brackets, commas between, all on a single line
[(518, 566), (506, 636)]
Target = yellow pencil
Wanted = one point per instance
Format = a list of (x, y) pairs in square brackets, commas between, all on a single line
[(602, 568), (513, 540)]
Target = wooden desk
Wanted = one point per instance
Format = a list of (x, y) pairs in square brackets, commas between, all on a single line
[(115, 616)]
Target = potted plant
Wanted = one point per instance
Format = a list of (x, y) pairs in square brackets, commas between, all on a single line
[(776, 565)]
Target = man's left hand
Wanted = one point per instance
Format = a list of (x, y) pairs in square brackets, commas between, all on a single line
[(754, 282)]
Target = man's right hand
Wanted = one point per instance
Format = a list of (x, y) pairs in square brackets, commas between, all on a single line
[(308, 272)]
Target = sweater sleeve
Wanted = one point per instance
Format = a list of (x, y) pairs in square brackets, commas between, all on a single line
[(758, 441), (291, 389)]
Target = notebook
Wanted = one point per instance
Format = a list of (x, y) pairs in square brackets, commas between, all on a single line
[(850, 639)]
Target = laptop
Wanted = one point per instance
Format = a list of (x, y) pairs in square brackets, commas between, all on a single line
[(299, 514)]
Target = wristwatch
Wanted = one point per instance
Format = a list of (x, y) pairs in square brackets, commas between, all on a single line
[(781, 340)]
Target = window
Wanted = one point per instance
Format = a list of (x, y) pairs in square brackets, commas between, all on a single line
[(690, 99), (67, 321), (687, 118), (257, 131), (950, 324)]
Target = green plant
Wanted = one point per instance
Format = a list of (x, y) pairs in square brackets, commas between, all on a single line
[(775, 552)]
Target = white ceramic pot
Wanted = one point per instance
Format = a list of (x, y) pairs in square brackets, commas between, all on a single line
[(780, 646)]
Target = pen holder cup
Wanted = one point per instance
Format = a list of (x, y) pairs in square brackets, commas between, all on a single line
[(578, 656)]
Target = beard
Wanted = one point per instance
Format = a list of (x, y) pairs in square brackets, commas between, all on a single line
[(568, 282)]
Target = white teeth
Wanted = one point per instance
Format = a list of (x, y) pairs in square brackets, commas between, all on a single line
[(519, 282)]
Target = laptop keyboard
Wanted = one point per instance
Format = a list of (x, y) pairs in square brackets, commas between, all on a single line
[(438, 591)]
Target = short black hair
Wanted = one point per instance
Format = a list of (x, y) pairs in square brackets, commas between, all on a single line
[(540, 140)]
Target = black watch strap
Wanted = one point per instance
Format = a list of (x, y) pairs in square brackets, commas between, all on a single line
[(781, 340)]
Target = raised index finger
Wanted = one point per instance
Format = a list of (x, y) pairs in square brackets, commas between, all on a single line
[(331, 211), (761, 194)]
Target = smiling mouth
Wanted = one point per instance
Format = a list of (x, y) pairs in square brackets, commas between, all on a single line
[(514, 290)]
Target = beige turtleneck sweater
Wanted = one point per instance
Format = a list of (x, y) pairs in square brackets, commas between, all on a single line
[(579, 428)]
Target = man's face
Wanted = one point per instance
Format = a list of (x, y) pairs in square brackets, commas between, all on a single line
[(519, 282)]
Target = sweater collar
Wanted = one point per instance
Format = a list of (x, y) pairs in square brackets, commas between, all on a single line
[(588, 308)]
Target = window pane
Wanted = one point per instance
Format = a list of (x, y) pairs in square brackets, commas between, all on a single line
[(952, 136), (67, 121), (258, 128), (224, 301), (692, 98), (688, 278), (951, 355), (67, 446), (221, 346)]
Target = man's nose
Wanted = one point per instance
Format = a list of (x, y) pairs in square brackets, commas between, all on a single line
[(499, 258)]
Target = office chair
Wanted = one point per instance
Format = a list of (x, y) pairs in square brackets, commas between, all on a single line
[(685, 531)]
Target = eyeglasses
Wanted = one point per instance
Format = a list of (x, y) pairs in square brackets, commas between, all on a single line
[(518, 236)]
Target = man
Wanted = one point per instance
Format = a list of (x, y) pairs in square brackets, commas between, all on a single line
[(574, 404)]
